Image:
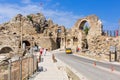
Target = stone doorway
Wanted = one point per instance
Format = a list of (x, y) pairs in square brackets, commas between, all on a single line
[(58, 42), (85, 44), (25, 44), (84, 27), (75, 41)]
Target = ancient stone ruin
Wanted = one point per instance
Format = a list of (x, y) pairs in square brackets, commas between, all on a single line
[(29, 31), (23, 32), (93, 42)]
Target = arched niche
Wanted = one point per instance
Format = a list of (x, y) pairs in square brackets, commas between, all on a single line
[(6, 50), (75, 41), (25, 44)]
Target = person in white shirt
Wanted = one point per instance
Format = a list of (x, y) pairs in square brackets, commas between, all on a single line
[(44, 52)]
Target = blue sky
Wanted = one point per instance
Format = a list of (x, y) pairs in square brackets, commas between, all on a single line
[(64, 12)]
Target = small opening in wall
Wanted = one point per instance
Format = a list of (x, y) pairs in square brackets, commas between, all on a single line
[(14, 33), (59, 30)]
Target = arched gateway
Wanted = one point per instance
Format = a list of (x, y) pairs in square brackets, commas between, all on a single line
[(85, 34)]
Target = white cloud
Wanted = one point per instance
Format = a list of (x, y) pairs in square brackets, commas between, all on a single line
[(65, 18), (61, 17)]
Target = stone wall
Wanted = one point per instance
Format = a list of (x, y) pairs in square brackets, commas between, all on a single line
[(33, 28), (101, 44)]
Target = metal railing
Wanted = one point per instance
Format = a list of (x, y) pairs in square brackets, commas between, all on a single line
[(18, 70)]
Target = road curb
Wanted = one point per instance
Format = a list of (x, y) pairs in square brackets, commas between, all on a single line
[(111, 69), (116, 63)]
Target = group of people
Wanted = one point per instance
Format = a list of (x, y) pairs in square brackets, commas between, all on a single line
[(77, 49), (42, 52)]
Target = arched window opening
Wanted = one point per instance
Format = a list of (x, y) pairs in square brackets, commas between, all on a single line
[(84, 26), (59, 31), (25, 44), (5, 50)]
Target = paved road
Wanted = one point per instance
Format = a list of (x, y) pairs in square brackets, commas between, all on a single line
[(86, 68)]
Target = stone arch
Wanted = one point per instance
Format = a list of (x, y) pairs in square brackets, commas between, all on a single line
[(6, 49), (75, 41), (26, 44), (83, 36), (82, 27), (82, 23), (59, 30), (95, 29), (94, 23)]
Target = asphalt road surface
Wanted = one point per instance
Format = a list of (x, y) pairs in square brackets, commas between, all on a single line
[(85, 67)]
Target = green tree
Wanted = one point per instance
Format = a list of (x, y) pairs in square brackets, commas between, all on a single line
[(86, 29)]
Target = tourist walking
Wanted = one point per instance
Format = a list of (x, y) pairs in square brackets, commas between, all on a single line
[(44, 52)]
